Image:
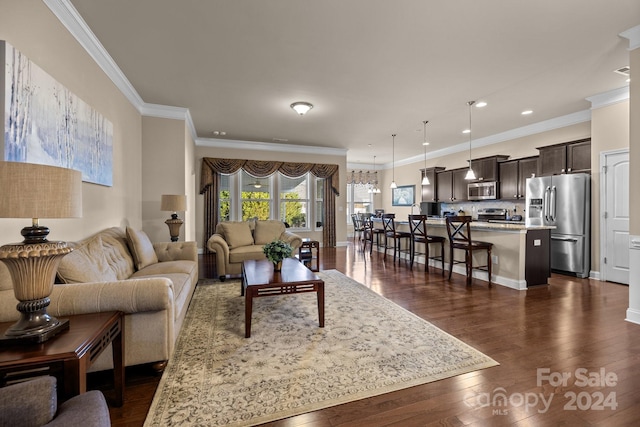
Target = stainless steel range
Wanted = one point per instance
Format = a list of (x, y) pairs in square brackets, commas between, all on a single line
[(492, 214)]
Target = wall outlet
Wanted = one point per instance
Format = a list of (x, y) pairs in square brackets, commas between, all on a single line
[(494, 259)]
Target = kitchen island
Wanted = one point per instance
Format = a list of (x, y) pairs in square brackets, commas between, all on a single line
[(520, 254)]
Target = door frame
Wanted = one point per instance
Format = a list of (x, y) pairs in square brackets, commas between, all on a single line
[(603, 205)]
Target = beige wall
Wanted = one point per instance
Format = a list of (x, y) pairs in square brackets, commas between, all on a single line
[(609, 131), (167, 170), (30, 26), (231, 153)]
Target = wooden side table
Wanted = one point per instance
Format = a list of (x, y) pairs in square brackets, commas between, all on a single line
[(68, 355), (309, 254)]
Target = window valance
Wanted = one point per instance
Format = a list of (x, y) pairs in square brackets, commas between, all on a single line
[(262, 169)]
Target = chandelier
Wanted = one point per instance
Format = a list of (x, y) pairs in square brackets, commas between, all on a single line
[(366, 179)]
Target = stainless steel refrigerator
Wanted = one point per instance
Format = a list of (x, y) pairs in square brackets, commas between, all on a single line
[(563, 201)]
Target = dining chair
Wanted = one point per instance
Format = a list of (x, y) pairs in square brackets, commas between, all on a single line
[(459, 232), (393, 235), (419, 234), (357, 226)]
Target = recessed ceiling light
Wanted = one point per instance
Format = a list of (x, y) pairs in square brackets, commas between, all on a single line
[(526, 112), (425, 143), (466, 131), (481, 104), (219, 133)]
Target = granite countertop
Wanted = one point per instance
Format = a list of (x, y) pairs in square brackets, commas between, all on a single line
[(494, 225), (484, 225)]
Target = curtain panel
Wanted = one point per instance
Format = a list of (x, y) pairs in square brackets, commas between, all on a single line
[(210, 187)]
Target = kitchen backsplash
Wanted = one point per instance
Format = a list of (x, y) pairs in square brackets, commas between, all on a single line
[(471, 208)]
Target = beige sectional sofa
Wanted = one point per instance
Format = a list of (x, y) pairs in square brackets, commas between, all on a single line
[(118, 269), (237, 241)]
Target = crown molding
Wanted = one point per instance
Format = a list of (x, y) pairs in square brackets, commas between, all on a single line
[(633, 35), (269, 146), (609, 98), (168, 112)]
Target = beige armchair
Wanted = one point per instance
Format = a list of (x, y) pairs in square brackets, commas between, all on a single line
[(237, 241)]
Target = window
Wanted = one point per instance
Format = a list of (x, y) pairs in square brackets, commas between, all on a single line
[(359, 200), (319, 212), (224, 198), (294, 200), (255, 197)]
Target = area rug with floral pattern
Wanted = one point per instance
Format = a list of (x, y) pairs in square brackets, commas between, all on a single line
[(289, 366)]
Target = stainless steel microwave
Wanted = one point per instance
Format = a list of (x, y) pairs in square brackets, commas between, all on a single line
[(482, 190)]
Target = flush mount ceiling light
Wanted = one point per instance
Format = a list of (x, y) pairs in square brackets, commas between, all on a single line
[(425, 179), (393, 162), (470, 174), (301, 108)]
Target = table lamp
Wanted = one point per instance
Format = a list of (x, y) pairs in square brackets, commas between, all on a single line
[(174, 203), (36, 191)]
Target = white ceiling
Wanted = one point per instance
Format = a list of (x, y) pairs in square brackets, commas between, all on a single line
[(370, 67)]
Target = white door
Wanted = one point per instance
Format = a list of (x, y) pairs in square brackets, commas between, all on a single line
[(615, 232)]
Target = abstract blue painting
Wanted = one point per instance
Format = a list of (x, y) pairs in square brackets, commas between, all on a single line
[(45, 123)]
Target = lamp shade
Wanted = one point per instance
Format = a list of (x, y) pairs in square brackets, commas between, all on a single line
[(39, 191), (173, 203)]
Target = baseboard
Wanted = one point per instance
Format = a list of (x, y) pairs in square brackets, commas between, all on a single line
[(633, 316)]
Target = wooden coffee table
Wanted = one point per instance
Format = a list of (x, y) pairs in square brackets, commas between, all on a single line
[(259, 280)]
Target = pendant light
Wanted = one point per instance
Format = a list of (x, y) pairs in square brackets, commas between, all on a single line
[(425, 179), (374, 187), (470, 174), (393, 163)]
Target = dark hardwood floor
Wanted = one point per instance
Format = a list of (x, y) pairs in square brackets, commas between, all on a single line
[(573, 327)]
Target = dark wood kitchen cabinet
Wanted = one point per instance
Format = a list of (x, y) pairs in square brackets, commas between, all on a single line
[(451, 185), (513, 177), (568, 157), (429, 192), (486, 168)]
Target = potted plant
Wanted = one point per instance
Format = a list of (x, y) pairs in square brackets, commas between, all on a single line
[(276, 251)]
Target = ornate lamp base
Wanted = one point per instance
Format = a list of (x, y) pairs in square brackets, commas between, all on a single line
[(33, 268), (174, 223)]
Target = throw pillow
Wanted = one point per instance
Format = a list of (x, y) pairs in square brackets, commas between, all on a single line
[(86, 263), (141, 248), (268, 231), (237, 234)]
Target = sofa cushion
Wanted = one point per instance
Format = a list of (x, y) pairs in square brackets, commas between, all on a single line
[(245, 253), (141, 248), (237, 234), (86, 263), (268, 231), (181, 286), (115, 246)]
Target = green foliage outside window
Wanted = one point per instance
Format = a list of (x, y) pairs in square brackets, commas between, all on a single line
[(256, 204), (253, 207), (293, 214)]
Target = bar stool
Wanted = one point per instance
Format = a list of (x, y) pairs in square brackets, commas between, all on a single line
[(459, 231), (390, 233), (418, 227)]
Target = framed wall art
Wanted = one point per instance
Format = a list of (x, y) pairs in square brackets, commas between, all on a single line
[(404, 195), (45, 123)]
